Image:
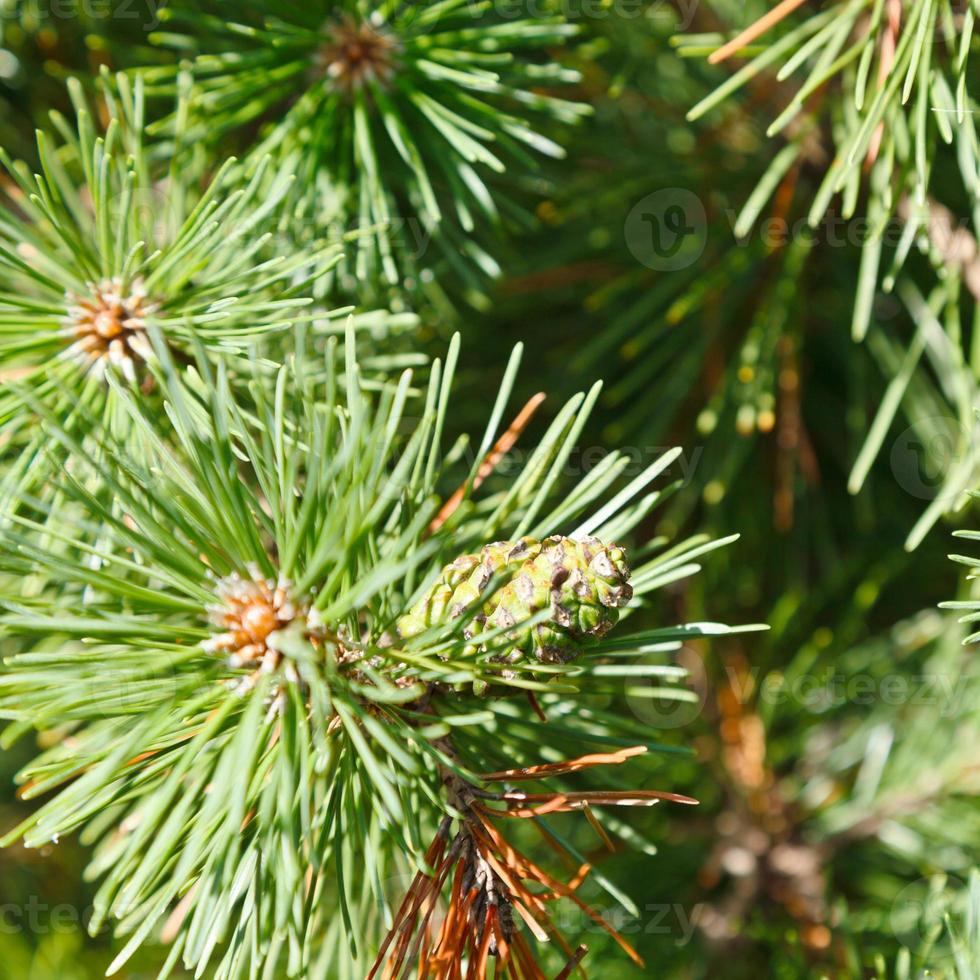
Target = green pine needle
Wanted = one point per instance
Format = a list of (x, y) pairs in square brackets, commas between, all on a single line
[(394, 117)]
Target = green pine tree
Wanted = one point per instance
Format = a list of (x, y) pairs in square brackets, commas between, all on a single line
[(300, 678)]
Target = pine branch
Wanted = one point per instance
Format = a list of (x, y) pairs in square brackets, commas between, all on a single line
[(104, 247), (224, 644), (395, 118)]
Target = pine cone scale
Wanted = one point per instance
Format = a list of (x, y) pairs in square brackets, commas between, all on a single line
[(581, 583)]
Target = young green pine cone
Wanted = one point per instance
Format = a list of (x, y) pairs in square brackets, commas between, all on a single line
[(582, 582)]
